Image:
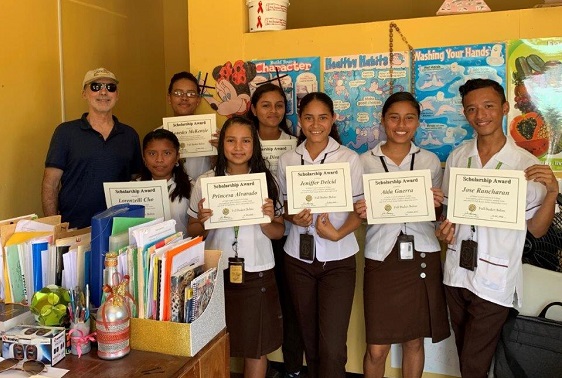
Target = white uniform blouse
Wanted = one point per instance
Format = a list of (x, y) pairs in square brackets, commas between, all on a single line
[(498, 275), (253, 245), (178, 207), (326, 250), (382, 237)]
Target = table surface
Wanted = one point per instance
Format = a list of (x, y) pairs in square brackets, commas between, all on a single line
[(136, 364)]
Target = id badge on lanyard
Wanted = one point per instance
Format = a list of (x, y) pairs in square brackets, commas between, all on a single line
[(306, 247), (469, 248), (469, 253), (236, 264), (405, 247), (405, 242)]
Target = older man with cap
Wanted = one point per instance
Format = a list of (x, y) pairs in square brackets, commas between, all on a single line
[(87, 152)]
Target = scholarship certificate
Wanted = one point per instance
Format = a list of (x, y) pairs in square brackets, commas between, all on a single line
[(487, 197), (322, 188), (399, 197), (235, 200), (194, 133), (153, 195), (272, 149)]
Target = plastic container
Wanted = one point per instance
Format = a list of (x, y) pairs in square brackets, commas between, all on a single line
[(266, 15)]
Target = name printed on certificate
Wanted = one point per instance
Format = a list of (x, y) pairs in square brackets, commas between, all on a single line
[(153, 195), (322, 188), (486, 197), (272, 149), (194, 133), (235, 200), (399, 197)]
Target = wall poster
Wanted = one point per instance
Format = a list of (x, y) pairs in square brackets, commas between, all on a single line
[(358, 85), (440, 71), (535, 96), (298, 76)]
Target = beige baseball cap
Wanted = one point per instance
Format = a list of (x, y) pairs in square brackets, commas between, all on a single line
[(98, 73)]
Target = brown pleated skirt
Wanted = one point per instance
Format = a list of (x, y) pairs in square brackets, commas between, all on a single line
[(405, 300), (253, 314)]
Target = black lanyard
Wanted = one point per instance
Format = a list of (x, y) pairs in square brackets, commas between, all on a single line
[(472, 228), (386, 170), (321, 161)]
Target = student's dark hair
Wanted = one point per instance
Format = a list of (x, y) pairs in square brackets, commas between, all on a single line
[(183, 186), (326, 100), (400, 97), (256, 163), (183, 75), (474, 84), (260, 91)]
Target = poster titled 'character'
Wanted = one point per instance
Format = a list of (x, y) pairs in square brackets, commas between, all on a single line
[(297, 77)]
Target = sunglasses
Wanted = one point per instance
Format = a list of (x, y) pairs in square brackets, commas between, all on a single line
[(31, 367), (96, 87), (37, 331)]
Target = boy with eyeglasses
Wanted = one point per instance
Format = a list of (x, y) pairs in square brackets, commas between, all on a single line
[(87, 152), (184, 96)]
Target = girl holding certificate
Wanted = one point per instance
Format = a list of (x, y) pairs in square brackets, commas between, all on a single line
[(253, 312), (268, 112), (320, 249), (161, 154), (403, 292)]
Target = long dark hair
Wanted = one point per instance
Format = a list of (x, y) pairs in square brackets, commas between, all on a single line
[(326, 100), (256, 163), (260, 91), (183, 186)]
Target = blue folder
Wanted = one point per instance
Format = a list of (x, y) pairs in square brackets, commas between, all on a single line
[(102, 224), (36, 250)]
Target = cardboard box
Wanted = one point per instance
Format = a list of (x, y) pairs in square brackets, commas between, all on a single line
[(13, 314), (31, 342), (184, 339)]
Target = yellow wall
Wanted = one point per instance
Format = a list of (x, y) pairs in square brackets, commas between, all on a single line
[(218, 32), (134, 39), (354, 11), (176, 47), (29, 100)]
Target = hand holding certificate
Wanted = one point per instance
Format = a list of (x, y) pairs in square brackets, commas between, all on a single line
[(399, 197), (153, 195), (486, 197), (194, 133), (321, 188), (235, 200), (272, 149)]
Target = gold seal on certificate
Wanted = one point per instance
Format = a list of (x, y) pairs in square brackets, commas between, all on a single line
[(399, 197), (272, 149), (486, 197), (235, 200), (322, 188), (194, 133)]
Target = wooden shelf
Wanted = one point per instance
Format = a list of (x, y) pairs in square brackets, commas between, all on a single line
[(212, 361)]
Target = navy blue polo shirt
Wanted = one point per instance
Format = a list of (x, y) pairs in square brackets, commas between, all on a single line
[(87, 161)]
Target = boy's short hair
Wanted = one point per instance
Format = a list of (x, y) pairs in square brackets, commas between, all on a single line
[(474, 84)]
